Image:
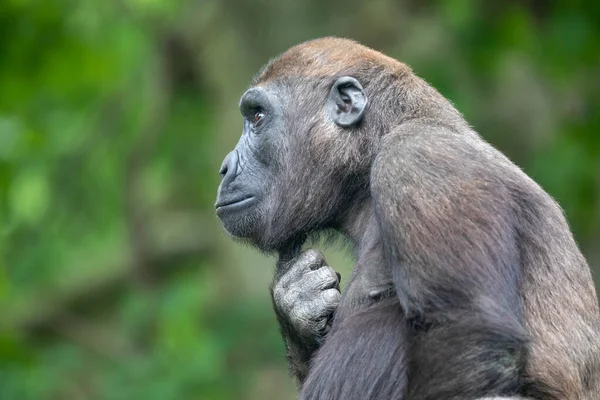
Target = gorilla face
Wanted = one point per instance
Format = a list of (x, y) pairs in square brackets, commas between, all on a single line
[(280, 181), (247, 171)]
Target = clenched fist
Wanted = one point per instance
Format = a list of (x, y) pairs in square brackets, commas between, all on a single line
[(308, 294), (305, 297)]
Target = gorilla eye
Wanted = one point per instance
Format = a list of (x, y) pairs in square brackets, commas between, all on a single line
[(258, 117)]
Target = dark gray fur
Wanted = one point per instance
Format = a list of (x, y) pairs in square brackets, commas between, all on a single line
[(468, 282)]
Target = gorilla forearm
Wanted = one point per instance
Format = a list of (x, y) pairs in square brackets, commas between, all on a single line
[(305, 294), (371, 346), (298, 351)]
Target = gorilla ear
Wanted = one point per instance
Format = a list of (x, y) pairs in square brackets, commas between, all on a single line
[(347, 102)]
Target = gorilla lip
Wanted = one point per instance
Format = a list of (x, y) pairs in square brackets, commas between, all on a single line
[(236, 202)]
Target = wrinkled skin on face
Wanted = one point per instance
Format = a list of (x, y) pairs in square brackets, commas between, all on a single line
[(281, 181)]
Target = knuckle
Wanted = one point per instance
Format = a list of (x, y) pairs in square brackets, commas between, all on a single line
[(313, 254), (330, 273), (313, 259), (332, 295), (298, 269), (309, 284), (325, 278)]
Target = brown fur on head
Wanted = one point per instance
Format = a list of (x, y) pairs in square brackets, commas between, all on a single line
[(395, 93), (328, 57)]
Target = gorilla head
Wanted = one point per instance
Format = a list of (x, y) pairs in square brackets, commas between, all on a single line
[(311, 122)]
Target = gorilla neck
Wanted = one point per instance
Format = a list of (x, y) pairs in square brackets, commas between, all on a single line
[(360, 225)]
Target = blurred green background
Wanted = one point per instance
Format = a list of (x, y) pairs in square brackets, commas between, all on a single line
[(116, 280)]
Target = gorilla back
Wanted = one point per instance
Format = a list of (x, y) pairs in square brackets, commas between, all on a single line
[(468, 282)]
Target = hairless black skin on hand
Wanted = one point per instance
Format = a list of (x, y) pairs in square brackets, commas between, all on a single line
[(468, 283)]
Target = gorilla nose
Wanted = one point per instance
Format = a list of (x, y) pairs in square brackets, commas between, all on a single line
[(229, 166)]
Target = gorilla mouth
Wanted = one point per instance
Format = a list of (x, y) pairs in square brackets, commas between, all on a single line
[(231, 204)]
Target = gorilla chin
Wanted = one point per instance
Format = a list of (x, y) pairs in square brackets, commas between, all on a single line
[(245, 221), (241, 217)]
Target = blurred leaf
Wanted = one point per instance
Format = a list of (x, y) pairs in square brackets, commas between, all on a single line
[(29, 196)]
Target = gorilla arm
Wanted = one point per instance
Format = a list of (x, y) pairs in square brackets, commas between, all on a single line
[(446, 217), (305, 293)]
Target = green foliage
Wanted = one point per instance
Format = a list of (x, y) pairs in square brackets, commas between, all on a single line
[(116, 281)]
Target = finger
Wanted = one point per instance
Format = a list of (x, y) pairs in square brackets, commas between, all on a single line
[(319, 307), (308, 261), (331, 298), (312, 258), (323, 326), (323, 278)]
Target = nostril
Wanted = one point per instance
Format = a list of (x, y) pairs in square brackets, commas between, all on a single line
[(223, 170), (229, 165)]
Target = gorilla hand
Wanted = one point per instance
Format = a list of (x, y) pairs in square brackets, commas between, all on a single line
[(305, 294)]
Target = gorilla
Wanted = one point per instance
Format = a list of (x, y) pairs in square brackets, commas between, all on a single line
[(468, 283)]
